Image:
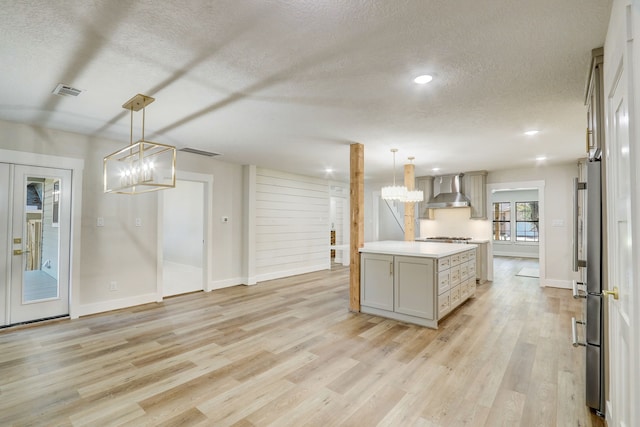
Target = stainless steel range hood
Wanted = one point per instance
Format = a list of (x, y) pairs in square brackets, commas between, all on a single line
[(447, 193)]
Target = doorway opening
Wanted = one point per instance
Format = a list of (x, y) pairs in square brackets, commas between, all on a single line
[(184, 212), (517, 216)]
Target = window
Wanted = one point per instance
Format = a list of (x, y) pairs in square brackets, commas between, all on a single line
[(502, 221), (527, 222), (56, 204)]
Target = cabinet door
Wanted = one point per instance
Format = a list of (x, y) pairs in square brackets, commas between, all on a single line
[(474, 189), (414, 287), (425, 183), (376, 283)]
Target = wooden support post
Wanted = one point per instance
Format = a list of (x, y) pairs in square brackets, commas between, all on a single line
[(409, 208), (356, 240)]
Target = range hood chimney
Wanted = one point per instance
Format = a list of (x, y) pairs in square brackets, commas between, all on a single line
[(447, 193)]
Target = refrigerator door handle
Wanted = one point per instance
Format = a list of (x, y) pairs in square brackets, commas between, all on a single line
[(577, 186), (574, 332)]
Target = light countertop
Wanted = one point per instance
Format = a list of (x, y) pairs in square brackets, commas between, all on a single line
[(419, 249)]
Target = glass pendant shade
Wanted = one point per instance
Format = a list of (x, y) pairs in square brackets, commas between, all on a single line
[(142, 166), (394, 192), (414, 196)]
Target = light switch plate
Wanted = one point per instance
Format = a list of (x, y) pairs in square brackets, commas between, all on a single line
[(138, 222), (100, 222)]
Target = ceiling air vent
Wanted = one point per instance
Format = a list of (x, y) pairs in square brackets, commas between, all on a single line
[(199, 152), (66, 90)]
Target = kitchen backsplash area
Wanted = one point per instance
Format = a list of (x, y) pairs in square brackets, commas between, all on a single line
[(455, 222)]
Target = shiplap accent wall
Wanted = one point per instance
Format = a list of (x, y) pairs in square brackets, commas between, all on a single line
[(292, 224)]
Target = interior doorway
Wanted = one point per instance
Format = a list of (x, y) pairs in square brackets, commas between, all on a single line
[(184, 235), (183, 238), (516, 210)]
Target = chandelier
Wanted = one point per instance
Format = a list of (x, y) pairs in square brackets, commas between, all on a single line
[(142, 166), (400, 192), (394, 192)]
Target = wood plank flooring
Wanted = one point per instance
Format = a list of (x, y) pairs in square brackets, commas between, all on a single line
[(289, 353)]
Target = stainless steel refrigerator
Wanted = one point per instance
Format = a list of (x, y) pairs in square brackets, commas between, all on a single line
[(588, 331)]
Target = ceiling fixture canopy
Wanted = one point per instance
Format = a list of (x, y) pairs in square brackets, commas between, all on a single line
[(143, 166)]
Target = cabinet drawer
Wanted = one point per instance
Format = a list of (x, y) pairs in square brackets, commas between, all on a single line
[(472, 255), (464, 271), (454, 275), (455, 296), (464, 256), (471, 269), (443, 281), (464, 291), (444, 263), (455, 259), (443, 304), (471, 287)]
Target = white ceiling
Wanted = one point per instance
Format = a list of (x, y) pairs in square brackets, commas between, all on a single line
[(289, 84)]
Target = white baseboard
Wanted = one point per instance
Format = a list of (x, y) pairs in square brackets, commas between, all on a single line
[(226, 283), (514, 255), (292, 272), (116, 304), (554, 283)]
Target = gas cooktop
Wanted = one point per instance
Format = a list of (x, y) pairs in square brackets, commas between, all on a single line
[(444, 239)]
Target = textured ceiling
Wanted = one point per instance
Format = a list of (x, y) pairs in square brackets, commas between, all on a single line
[(289, 84)]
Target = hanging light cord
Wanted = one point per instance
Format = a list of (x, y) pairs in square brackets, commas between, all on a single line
[(393, 150)]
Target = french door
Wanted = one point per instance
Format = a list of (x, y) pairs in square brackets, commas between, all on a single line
[(35, 218)]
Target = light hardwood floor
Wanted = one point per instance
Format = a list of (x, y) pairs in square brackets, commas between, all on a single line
[(288, 353)]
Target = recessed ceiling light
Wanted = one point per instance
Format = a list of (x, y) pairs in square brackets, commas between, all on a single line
[(424, 79), (328, 170), (435, 169), (541, 158), (531, 132)]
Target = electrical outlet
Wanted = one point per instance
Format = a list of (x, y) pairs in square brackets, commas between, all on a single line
[(100, 222), (113, 286), (138, 222)]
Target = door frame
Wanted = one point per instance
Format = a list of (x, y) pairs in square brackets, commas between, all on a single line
[(76, 166), (534, 185), (207, 263)]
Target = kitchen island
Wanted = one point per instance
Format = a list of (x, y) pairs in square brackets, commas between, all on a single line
[(416, 282)]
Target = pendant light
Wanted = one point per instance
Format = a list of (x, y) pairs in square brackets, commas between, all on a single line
[(143, 166), (394, 192), (414, 196)]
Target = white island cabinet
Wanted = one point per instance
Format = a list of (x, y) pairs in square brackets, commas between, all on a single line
[(416, 282)]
